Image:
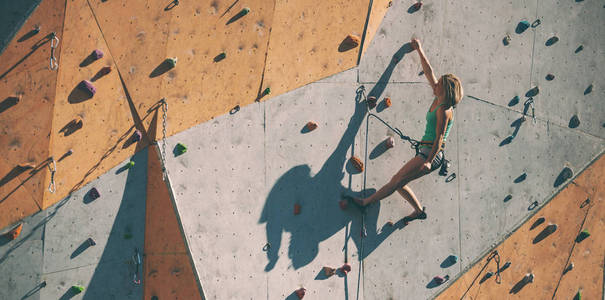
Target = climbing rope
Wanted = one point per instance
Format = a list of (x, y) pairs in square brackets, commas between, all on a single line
[(164, 105), (51, 186), (496, 257), (54, 42)]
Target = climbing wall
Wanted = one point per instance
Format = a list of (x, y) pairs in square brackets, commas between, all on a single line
[(168, 268), (27, 89), (53, 252), (98, 128), (546, 253)]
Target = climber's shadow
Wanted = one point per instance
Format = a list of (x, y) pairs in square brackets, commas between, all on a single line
[(320, 215)]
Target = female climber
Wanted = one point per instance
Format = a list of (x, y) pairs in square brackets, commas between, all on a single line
[(429, 155)]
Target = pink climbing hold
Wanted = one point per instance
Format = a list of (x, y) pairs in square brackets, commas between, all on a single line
[(97, 54), (440, 280), (88, 87), (136, 136)]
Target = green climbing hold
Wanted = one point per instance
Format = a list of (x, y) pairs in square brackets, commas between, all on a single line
[(180, 149), (244, 11), (77, 289), (583, 235), (129, 165), (578, 296), (171, 62), (267, 91)]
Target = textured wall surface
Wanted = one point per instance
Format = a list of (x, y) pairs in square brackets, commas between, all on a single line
[(53, 247)]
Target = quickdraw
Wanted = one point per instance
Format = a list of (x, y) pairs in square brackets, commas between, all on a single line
[(54, 42), (136, 258), (51, 186)]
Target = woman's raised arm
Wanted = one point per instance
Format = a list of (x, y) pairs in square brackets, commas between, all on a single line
[(426, 66)]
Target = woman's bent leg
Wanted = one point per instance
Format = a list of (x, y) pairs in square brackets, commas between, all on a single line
[(407, 173), (407, 193)]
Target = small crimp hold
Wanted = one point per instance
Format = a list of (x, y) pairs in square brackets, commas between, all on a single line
[(180, 149), (356, 162), (529, 277), (352, 40), (136, 136), (87, 86), (390, 223), (97, 54), (550, 77), (522, 26), (329, 271), (389, 142), (506, 40), (244, 11), (311, 126), (372, 102), (440, 280), (267, 91), (580, 48), (15, 232), (129, 165), (552, 40), (387, 102), (91, 242), (171, 61), (94, 193), (77, 289), (582, 236), (301, 292), (297, 208), (569, 268)]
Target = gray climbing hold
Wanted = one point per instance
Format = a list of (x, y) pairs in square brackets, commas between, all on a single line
[(574, 122)]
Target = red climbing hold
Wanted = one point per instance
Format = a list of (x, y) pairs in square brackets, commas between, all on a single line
[(311, 126), (343, 204), (417, 5), (389, 142), (13, 234), (297, 208), (346, 268), (301, 292), (356, 162), (372, 102)]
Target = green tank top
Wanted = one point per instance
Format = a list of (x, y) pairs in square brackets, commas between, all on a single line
[(431, 123)]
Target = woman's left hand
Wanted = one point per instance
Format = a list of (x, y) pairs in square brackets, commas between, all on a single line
[(425, 167)]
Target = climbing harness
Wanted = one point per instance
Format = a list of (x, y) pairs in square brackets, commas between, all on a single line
[(496, 257), (54, 42), (51, 186), (136, 258)]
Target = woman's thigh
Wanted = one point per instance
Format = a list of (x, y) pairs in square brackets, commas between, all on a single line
[(409, 171)]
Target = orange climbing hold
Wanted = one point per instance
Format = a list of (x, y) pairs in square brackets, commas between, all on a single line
[(301, 292), (13, 234), (297, 208), (311, 126), (356, 162), (387, 102)]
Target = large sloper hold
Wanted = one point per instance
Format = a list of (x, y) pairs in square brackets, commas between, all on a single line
[(26, 103), (102, 141)]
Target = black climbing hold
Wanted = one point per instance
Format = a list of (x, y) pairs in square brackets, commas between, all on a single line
[(506, 40), (522, 26), (588, 90), (267, 91), (136, 136), (533, 92), (91, 242), (521, 178), (154, 298), (505, 266), (94, 193), (550, 77), (179, 149), (578, 295), (171, 61), (234, 110), (580, 48), (87, 86), (551, 41), (36, 29), (220, 57), (574, 122), (507, 198), (533, 205), (239, 15), (536, 23)]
